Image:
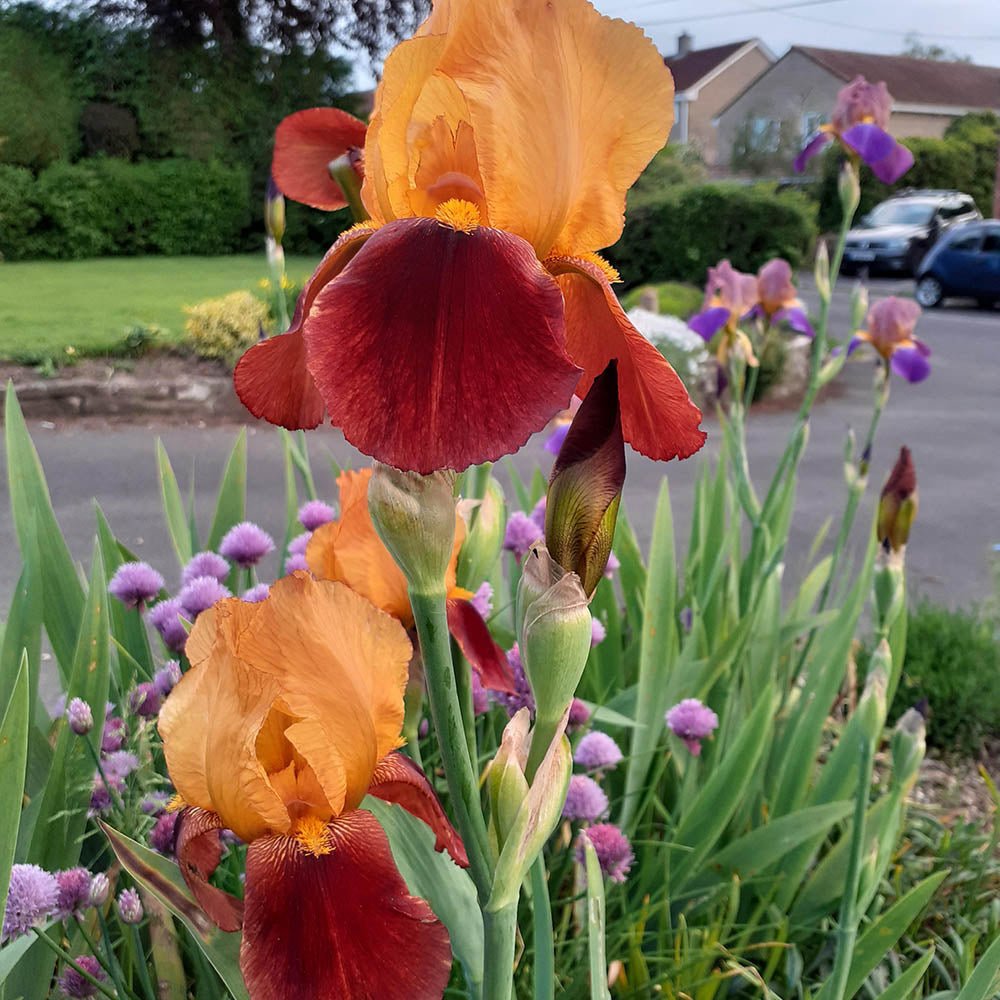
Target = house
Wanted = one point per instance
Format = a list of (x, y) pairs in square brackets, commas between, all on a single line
[(767, 122), (705, 81)]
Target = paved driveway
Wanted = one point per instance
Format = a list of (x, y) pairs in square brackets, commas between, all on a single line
[(951, 422)]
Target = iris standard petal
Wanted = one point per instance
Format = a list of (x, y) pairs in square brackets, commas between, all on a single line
[(658, 418), (440, 347), (339, 923), (305, 143), (271, 379)]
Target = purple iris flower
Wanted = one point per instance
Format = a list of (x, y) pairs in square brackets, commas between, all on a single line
[(860, 120), (889, 330)]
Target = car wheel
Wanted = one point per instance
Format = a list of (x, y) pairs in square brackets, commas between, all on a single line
[(930, 291)]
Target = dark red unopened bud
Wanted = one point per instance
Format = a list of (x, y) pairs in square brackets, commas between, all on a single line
[(585, 487), (897, 506)]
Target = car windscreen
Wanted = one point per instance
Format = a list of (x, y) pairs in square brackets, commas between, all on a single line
[(901, 213)]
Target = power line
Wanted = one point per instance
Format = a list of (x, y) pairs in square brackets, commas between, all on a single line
[(739, 13)]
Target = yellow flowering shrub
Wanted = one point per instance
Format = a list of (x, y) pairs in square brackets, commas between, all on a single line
[(227, 326)]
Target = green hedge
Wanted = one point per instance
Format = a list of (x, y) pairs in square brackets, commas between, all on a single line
[(677, 234), (105, 207)]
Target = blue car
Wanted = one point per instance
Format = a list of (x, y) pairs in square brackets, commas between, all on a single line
[(965, 263)]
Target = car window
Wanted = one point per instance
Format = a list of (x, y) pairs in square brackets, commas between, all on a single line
[(969, 242), (992, 243), (901, 213), (947, 212), (968, 207)]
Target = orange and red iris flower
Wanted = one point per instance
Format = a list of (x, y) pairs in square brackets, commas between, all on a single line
[(290, 715), (471, 306), (350, 551)]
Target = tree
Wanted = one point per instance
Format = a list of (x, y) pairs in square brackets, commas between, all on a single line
[(915, 48), (370, 26)]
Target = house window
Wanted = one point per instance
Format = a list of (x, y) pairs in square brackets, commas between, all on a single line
[(765, 135), (811, 121)]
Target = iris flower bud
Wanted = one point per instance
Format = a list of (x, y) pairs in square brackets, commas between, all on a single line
[(585, 486), (414, 516), (485, 538)]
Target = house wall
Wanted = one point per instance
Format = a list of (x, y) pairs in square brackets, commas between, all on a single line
[(792, 89), (716, 95), (907, 123)]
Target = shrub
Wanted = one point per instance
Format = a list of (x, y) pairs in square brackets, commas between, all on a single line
[(771, 367), (952, 660), (679, 233), (105, 206), (18, 212), (225, 327), (674, 298)]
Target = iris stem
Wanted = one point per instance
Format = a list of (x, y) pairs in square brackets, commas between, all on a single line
[(431, 619), (500, 929), (463, 685)]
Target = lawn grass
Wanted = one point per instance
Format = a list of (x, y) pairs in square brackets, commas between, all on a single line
[(87, 305)]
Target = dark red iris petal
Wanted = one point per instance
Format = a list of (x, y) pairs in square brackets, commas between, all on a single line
[(304, 145), (272, 379), (198, 852), (658, 418), (341, 924), (479, 647), (439, 349), (398, 779)]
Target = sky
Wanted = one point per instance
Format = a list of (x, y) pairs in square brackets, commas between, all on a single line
[(968, 27)]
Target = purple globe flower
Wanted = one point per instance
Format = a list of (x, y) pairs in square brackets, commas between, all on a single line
[(538, 512), (80, 717), (161, 837), (32, 896), (74, 892), (118, 766), (165, 617), (100, 889), (614, 852), (167, 677), (480, 697), (692, 722), (522, 696), (521, 534), (612, 566), (555, 440), (296, 562), (598, 633), (130, 906), (585, 800), (246, 544), (201, 593), (579, 715), (145, 700), (74, 985), (135, 584), (100, 797), (154, 803), (205, 564), (597, 752), (115, 732), (482, 600), (256, 594), (298, 545), (315, 513)]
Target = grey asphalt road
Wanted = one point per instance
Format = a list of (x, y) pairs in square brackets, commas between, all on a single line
[(951, 422)]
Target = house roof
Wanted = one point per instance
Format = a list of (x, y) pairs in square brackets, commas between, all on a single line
[(688, 70), (915, 81)]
